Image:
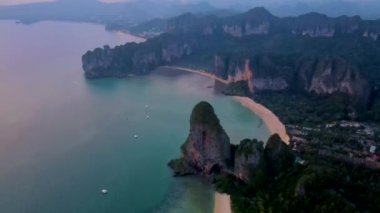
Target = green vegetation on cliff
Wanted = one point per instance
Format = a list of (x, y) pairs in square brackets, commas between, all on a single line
[(203, 113)]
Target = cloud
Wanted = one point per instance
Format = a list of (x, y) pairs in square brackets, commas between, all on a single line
[(15, 2)]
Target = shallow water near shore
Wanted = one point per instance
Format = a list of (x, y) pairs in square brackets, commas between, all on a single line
[(64, 138)]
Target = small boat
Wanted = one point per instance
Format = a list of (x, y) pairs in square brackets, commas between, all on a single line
[(136, 136), (147, 117), (104, 191)]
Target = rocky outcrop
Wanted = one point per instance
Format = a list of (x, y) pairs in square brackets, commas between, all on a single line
[(208, 152), (207, 148)]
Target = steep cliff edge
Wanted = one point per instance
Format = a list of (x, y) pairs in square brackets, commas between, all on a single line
[(207, 148), (320, 75), (136, 59)]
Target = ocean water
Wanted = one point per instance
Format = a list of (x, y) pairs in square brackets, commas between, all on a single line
[(64, 138)]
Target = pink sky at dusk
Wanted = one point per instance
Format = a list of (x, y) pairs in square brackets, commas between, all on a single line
[(14, 2)]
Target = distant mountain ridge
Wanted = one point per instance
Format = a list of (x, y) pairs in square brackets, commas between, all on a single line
[(259, 21), (122, 13)]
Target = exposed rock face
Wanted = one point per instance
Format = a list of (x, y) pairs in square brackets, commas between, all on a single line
[(333, 75), (324, 75), (257, 21), (249, 159), (133, 58), (98, 62), (234, 30), (207, 149), (234, 71)]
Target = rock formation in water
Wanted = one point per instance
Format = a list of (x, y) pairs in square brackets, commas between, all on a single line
[(207, 148), (208, 152)]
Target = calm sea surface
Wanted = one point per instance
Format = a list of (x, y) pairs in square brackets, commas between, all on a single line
[(63, 138)]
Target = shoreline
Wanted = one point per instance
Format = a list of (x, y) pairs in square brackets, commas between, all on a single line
[(272, 122)]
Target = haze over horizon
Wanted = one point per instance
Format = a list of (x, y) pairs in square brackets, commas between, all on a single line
[(214, 2), (368, 9)]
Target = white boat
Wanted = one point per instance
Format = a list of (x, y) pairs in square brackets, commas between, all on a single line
[(104, 191), (136, 136)]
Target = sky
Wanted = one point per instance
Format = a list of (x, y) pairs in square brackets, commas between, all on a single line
[(13, 2), (10, 2)]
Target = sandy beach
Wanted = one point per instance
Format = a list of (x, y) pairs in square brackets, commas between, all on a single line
[(273, 123), (198, 72), (222, 203)]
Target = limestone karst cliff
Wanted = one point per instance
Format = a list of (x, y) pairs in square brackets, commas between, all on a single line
[(208, 152), (321, 75), (257, 51), (207, 148)]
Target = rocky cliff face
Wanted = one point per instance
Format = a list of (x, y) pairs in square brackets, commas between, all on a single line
[(133, 58), (257, 21), (324, 75), (207, 150), (333, 75), (234, 70), (100, 60)]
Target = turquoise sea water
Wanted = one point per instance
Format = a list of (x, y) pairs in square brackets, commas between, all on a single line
[(63, 138)]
